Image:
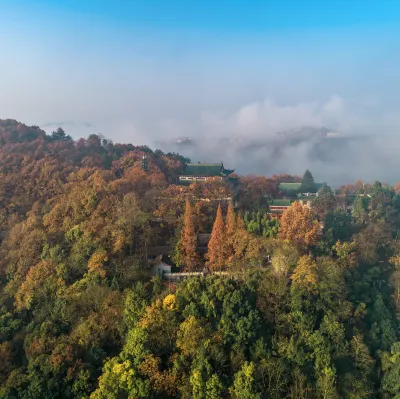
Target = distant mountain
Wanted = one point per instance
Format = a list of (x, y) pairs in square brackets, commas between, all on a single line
[(309, 133), (288, 150), (183, 140), (297, 135)]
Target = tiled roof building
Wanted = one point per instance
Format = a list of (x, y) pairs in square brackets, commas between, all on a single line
[(204, 171)]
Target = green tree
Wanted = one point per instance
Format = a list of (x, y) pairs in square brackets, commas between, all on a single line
[(360, 209), (60, 135), (198, 385), (245, 385), (135, 304), (191, 334), (307, 183), (214, 388), (338, 226), (324, 202), (262, 224), (361, 383), (391, 369), (120, 379), (326, 384), (134, 222)]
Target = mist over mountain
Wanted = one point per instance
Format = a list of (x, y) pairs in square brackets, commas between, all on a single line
[(339, 140), (332, 156)]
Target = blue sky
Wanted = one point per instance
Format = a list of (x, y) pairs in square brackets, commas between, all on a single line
[(219, 15), (146, 70), (175, 58)]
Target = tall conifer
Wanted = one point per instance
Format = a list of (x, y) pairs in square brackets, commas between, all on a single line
[(185, 252), (230, 233), (216, 245), (307, 183), (240, 240), (230, 221)]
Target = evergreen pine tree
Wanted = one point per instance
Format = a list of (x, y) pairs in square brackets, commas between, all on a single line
[(114, 284), (307, 183), (360, 209), (324, 202)]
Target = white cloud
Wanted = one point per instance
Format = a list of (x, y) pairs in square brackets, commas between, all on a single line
[(245, 138)]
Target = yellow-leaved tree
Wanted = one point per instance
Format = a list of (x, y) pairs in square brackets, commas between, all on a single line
[(97, 261), (299, 226), (305, 274)]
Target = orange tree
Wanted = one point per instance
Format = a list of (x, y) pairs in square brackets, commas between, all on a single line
[(216, 246), (185, 252), (299, 226)]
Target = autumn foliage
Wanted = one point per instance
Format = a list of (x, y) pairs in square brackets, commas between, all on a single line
[(305, 274), (216, 259), (299, 226), (297, 312), (186, 255)]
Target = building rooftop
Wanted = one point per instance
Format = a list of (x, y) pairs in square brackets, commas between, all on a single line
[(295, 186), (206, 169), (305, 197), (280, 202), (289, 186)]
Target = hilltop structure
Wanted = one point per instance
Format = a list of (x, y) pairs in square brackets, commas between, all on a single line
[(289, 188), (204, 171), (291, 192), (279, 205)]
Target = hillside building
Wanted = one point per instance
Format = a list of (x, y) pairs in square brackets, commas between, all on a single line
[(202, 172), (288, 188), (279, 205)]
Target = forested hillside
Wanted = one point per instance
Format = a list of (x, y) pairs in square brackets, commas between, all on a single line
[(302, 305)]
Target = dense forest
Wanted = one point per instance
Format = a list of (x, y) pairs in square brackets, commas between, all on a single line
[(302, 305)]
